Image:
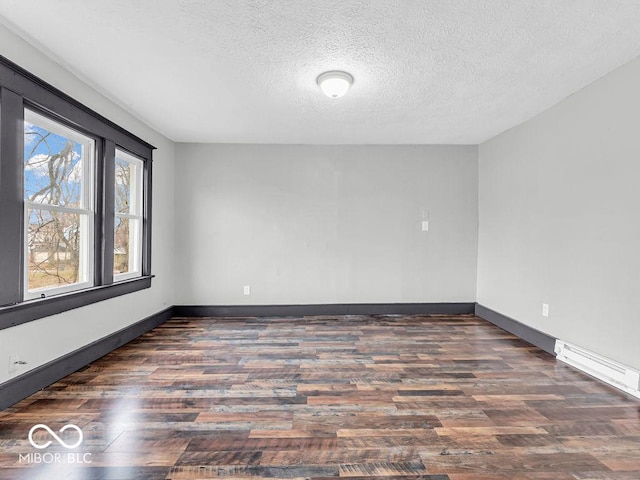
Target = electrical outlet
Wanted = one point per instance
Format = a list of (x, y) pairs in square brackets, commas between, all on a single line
[(425, 225), (247, 290), (545, 309), (14, 361)]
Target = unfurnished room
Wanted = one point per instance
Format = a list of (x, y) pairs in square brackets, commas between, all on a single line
[(298, 239)]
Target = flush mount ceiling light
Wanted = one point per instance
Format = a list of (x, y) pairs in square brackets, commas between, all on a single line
[(335, 84)]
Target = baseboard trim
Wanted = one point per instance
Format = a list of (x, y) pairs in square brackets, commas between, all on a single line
[(326, 309), (535, 337), (40, 377)]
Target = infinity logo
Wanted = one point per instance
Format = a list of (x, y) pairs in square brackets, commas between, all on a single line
[(52, 433)]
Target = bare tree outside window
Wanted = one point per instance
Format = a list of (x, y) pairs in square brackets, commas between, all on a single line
[(121, 225), (56, 214), (127, 255)]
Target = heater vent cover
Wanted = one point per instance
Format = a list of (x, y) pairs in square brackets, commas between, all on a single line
[(609, 371)]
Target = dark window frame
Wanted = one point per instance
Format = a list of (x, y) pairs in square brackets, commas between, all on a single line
[(19, 89)]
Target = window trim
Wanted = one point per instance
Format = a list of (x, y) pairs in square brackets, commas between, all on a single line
[(29, 310), (19, 89)]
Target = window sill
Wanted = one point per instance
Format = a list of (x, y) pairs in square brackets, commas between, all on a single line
[(29, 310), (37, 294)]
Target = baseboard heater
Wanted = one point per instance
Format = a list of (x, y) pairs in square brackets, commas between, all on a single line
[(609, 371)]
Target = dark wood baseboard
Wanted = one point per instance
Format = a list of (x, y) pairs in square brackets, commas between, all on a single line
[(535, 337), (327, 309), (40, 377)]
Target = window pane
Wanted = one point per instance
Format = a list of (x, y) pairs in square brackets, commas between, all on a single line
[(127, 259), (128, 184), (54, 248), (54, 160), (125, 172), (127, 246)]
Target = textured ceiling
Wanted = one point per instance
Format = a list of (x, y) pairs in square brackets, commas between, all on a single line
[(426, 71)]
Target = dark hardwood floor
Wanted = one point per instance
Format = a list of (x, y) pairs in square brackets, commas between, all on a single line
[(412, 397)]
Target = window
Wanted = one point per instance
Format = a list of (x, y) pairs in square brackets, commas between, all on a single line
[(59, 207), (75, 202), (127, 244)]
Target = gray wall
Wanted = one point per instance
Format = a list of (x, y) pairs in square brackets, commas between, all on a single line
[(559, 203), (325, 224)]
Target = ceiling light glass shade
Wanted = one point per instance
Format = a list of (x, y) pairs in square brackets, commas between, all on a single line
[(335, 84)]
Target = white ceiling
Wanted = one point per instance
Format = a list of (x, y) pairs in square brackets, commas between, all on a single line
[(244, 71)]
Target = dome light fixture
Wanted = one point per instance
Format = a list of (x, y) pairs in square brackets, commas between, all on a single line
[(335, 84)]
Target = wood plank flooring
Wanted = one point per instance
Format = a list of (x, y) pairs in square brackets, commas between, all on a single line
[(397, 397)]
